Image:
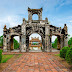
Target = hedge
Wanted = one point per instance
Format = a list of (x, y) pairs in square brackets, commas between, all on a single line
[(69, 56), (63, 52), (0, 55)]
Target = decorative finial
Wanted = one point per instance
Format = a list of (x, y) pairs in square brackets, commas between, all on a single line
[(4, 27), (23, 20)]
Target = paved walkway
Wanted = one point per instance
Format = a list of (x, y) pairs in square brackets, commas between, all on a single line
[(36, 62)]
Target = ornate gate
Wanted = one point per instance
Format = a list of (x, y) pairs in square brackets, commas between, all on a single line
[(42, 27)]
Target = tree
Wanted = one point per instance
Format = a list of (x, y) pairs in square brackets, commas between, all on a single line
[(70, 41), (54, 45), (16, 44), (1, 40)]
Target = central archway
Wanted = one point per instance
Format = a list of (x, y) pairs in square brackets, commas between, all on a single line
[(39, 37), (35, 43)]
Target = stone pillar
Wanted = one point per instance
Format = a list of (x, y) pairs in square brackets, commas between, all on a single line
[(23, 43), (8, 42), (27, 43), (23, 36), (29, 16), (12, 44), (58, 42), (61, 41), (65, 41), (4, 39), (20, 42), (4, 44), (40, 16), (48, 47), (43, 44)]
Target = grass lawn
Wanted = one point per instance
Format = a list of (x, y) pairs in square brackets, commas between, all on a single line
[(7, 57), (57, 54)]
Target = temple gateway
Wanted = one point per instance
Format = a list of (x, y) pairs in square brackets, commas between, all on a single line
[(42, 27)]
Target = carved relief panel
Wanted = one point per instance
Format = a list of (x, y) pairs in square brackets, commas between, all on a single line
[(23, 29)]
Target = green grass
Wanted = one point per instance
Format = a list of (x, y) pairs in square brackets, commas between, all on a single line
[(57, 54), (5, 58)]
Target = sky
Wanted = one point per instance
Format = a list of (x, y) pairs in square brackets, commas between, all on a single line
[(58, 13)]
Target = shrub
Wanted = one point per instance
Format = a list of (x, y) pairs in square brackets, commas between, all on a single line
[(63, 52), (69, 56), (70, 41), (0, 55)]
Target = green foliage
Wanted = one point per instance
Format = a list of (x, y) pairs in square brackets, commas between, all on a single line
[(0, 55), (5, 58), (63, 52), (16, 44), (1, 41), (57, 54), (69, 56), (35, 43), (54, 45), (41, 48), (70, 42)]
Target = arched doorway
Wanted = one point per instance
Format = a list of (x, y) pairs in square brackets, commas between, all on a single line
[(56, 43), (35, 42), (37, 39)]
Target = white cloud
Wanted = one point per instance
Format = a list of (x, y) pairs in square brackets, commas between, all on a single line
[(9, 21), (17, 38), (71, 21), (62, 3), (53, 38)]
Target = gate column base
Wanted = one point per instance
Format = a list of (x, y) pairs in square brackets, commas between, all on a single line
[(4, 50), (23, 50)]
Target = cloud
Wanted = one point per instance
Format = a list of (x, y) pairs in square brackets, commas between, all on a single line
[(70, 21), (53, 38), (62, 3), (9, 21), (17, 38)]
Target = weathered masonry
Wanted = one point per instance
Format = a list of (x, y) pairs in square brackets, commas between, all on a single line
[(42, 27)]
